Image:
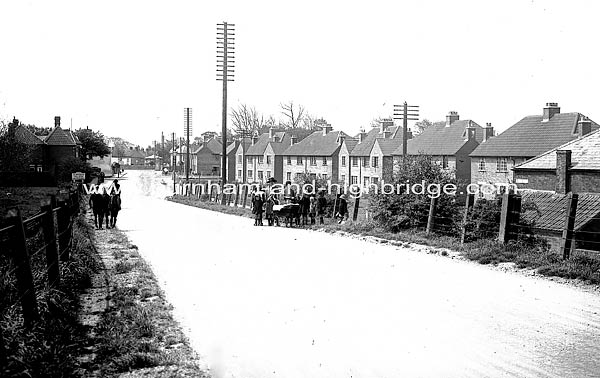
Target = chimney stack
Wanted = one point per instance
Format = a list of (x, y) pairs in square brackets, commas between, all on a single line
[(563, 178), (471, 131), (451, 118), (362, 136), (254, 139), (550, 110), (57, 121), (488, 131), (271, 132), (293, 140), (584, 126), (326, 129)]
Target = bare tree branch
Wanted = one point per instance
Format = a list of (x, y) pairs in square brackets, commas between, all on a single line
[(293, 115)]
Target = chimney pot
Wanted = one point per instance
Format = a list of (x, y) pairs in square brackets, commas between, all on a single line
[(452, 117), (563, 178), (550, 110), (488, 131), (326, 129), (362, 136)]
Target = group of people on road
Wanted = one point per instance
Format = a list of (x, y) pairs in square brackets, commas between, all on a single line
[(105, 205), (311, 207)]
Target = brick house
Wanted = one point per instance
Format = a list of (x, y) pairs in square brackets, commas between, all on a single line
[(574, 166), (449, 144), (492, 161), (37, 159), (206, 159), (367, 156), (61, 145), (345, 168), (317, 154), (263, 157)]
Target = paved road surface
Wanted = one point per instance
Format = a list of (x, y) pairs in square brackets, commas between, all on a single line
[(276, 302)]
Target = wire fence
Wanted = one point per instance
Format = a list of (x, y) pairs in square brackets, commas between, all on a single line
[(502, 219), (31, 252)]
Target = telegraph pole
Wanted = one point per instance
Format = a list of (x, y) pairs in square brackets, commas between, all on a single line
[(225, 58), (406, 112), (187, 114), (174, 160)]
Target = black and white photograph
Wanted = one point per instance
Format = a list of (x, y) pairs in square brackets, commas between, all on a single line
[(299, 189)]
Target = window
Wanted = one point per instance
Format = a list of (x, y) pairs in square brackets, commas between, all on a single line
[(268, 174), (324, 176), (249, 159), (260, 159), (288, 176), (268, 159), (375, 162), (481, 165), (343, 161), (289, 160), (249, 173), (366, 162), (39, 168), (344, 178), (501, 165), (354, 180), (313, 160), (324, 160), (354, 161), (239, 159), (444, 162), (375, 180), (365, 181), (239, 173), (298, 160), (260, 176), (297, 176), (32, 167)]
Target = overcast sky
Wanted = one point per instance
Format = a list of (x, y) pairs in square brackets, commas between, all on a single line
[(128, 68)]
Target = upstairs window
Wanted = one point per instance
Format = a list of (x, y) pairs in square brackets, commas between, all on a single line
[(324, 160), (366, 162), (501, 164), (375, 162), (343, 161), (313, 160), (298, 160), (289, 160), (481, 165)]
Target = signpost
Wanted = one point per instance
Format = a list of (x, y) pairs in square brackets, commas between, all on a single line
[(78, 176)]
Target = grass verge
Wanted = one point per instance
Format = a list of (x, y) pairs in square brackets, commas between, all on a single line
[(525, 254)]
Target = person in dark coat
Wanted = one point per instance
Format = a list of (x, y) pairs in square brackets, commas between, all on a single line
[(106, 204), (312, 211), (342, 208), (98, 205), (271, 201), (321, 206), (305, 208), (114, 207), (257, 208)]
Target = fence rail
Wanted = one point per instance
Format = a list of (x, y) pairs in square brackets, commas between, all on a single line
[(20, 241)]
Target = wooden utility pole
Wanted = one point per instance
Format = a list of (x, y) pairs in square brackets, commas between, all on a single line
[(187, 127), (174, 162), (225, 58), (405, 113)]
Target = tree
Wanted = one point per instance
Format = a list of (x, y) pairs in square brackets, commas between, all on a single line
[(246, 121), (421, 126), (92, 143), (293, 114), (39, 131), (14, 154)]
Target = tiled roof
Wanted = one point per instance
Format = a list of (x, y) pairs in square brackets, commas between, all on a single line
[(531, 137), (26, 136), (388, 146), (232, 147), (263, 141), (61, 137), (585, 155), (442, 140), (133, 154), (213, 145), (317, 144), (364, 148), (552, 210)]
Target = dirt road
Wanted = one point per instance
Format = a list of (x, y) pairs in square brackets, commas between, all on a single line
[(276, 302)]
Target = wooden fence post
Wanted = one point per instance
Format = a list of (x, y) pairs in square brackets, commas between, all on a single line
[(430, 218), (20, 256), (469, 202), (245, 196), (51, 241), (568, 233), (511, 208), (237, 196), (210, 193), (229, 197), (356, 206), (63, 218)]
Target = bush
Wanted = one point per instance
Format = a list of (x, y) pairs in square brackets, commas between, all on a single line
[(405, 210)]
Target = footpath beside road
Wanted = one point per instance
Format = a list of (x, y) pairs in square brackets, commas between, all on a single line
[(131, 329)]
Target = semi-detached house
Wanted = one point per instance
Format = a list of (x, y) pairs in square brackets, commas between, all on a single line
[(263, 158)]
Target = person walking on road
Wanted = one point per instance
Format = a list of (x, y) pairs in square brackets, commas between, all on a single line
[(257, 208), (106, 207), (98, 206), (113, 208)]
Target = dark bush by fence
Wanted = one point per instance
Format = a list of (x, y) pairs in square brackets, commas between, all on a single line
[(28, 179)]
